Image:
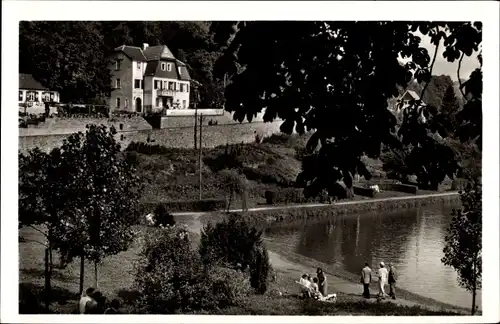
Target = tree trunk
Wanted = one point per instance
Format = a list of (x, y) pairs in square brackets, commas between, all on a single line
[(96, 275), (82, 271), (473, 310), (229, 202), (47, 280), (474, 288)]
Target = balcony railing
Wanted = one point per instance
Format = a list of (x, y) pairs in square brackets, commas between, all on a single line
[(164, 92)]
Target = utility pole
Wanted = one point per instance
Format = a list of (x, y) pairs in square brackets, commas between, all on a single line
[(201, 145), (195, 128)]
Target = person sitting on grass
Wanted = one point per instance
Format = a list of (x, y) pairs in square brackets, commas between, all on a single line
[(316, 293), (305, 285)]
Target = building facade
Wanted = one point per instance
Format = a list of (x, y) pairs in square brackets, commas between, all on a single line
[(34, 93), (148, 79)]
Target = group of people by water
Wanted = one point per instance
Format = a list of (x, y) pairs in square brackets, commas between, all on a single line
[(384, 277), (317, 287), (94, 302)]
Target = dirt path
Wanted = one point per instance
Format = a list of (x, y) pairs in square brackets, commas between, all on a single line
[(344, 203)]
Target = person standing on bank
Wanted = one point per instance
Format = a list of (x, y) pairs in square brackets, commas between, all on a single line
[(382, 280), (322, 284), (366, 278), (392, 281)]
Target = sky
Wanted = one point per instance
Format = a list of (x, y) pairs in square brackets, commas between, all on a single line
[(442, 66)]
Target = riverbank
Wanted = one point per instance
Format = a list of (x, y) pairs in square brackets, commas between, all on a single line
[(290, 266)]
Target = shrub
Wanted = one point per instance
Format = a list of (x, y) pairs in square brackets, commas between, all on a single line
[(259, 275), (228, 159), (411, 189), (146, 148), (270, 197), (368, 192), (229, 286), (162, 216), (171, 278), (132, 158), (265, 173), (291, 195), (238, 245)]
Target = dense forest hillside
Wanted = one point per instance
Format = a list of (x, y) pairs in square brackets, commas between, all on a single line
[(71, 56)]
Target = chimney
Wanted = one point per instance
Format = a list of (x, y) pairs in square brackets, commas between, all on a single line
[(144, 46)]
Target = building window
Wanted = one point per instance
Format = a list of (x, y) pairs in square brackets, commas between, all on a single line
[(165, 85), (138, 65), (46, 96), (163, 66), (156, 84), (52, 96), (118, 84), (117, 102), (20, 96), (187, 87), (137, 84), (126, 103), (37, 96), (171, 86), (184, 104), (30, 95), (177, 86), (117, 64), (169, 67)]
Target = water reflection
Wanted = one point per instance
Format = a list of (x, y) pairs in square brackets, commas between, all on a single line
[(412, 239)]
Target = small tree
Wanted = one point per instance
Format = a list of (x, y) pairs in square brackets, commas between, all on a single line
[(104, 198), (463, 242), (235, 184)]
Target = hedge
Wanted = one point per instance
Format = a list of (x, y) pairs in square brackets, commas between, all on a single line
[(204, 205), (398, 187), (367, 192)]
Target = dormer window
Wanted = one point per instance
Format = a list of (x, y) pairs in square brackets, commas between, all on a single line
[(163, 66), (169, 67)]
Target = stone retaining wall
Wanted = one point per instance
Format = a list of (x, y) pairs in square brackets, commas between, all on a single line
[(170, 137)]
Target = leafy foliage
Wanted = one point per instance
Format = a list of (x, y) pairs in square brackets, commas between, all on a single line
[(336, 78), (71, 56), (450, 106), (162, 216), (172, 279), (464, 240), (237, 245), (65, 56), (101, 197)]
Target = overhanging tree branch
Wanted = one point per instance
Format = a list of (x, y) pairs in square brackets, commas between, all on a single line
[(458, 76), (39, 231), (432, 66)]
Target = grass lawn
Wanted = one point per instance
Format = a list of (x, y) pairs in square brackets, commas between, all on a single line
[(116, 278)]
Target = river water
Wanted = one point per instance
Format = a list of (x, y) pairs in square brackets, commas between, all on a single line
[(412, 239)]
